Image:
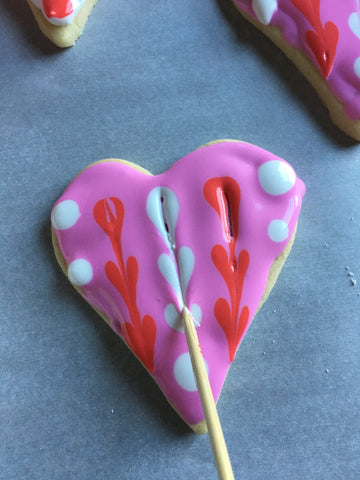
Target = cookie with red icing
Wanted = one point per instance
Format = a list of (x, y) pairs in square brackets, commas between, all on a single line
[(62, 21), (212, 233), (322, 38)]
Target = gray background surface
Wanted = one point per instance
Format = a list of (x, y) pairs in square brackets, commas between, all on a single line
[(150, 82)]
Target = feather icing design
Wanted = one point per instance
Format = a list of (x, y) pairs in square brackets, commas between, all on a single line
[(169, 271), (224, 195), (177, 265), (162, 207), (139, 333)]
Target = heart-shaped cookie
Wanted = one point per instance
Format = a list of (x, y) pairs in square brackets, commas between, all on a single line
[(62, 21), (322, 38), (211, 233)]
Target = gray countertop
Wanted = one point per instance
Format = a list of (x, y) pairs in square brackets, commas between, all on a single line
[(150, 82)]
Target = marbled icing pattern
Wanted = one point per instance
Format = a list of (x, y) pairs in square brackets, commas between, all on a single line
[(328, 32), (200, 234)]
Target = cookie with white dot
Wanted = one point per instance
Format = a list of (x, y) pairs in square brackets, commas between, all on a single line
[(62, 21), (322, 38), (212, 234)]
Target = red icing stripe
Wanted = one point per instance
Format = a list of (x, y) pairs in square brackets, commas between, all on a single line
[(58, 8), (323, 41), (224, 194), (139, 334)]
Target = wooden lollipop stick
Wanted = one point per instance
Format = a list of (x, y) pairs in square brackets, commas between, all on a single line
[(217, 440)]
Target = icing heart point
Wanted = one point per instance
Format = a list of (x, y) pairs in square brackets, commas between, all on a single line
[(210, 234)]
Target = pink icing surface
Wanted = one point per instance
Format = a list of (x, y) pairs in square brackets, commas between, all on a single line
[(343, 80), (198, 227)]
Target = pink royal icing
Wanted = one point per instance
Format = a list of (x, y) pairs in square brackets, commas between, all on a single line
[(203, 234), (327, 31)]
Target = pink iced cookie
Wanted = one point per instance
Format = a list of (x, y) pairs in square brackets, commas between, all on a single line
[(211, 233), (322, 38), (62, 21)]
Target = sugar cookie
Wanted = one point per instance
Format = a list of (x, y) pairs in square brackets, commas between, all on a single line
[(211, 233), (322, 38), (62, 21)]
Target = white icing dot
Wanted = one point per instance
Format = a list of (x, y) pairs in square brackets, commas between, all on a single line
[(264, 10), (357, 66), (169, 271), (278, 230), (175, 320), (80, 272), (184, 374), (196, 314), (354, 23), (65, 214), (276, 177)]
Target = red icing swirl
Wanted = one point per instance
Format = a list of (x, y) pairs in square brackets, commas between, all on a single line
[(58, 8), (323, 39)]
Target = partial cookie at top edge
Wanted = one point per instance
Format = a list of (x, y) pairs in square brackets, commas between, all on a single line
[(311, 73), (63, 36)]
